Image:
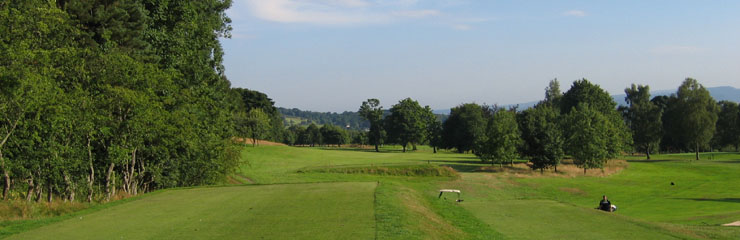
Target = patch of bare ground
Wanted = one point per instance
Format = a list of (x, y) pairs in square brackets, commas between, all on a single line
[(574, 191), (238, 179), (565, 169), (431, 224), (732, 224)]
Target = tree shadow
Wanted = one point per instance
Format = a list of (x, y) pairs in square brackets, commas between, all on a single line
[(732, 200), (728, 161), (655, 161), (372, 150)]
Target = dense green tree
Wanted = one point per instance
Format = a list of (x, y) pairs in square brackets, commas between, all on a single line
[(727, 131), (258, 124), (465, 126), (589, 137), (333, 135), (406, 124), (583, 91), (643, 118), (373, 113), (698, 114), (553, 95), (313, 135), (501, 139), (433, 132), (542, 136)]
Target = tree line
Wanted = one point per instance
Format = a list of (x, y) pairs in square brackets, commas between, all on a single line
[(101, 97), (583, 122)]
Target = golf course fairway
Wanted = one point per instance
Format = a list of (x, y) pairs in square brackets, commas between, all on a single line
[(283, 211)]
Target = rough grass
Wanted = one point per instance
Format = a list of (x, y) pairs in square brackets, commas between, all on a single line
[(411, 171)]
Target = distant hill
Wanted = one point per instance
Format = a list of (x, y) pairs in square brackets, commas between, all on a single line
[(718, 93)]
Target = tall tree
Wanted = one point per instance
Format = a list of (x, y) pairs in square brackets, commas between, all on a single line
[(406, 124), (553, 95), (433, 132), (373, 113), (698, 114), (727, 132), (465, 126), (258, 124), (501, 140), (543, 138), (644, 119), (589, 137)]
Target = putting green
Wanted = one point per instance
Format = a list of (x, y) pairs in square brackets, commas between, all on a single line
[(289, 211)]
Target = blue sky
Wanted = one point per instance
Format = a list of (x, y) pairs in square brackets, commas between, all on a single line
[(330, 55)]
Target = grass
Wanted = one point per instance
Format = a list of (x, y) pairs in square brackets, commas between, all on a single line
[(394, 195), (286, 211)]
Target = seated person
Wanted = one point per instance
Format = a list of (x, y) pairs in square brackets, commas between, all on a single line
[(605, 205)]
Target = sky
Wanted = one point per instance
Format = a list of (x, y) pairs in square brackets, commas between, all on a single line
[(331, 55)]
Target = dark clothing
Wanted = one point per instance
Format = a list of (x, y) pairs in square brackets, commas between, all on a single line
[(605, 205)]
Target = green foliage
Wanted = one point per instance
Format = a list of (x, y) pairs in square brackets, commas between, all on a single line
[(543, 137), (407, 123), (501, 139), (465, 126), (591, 139), (698, 112), (373, 113), (257, 124), (100, 96), (728, 125), (644, 118)]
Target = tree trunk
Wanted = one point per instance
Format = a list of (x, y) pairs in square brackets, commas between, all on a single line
[(50, 195), (404, 147), (29, 192), (584, 171), (697, 151), (376, 148), (647, 152), (108, 184), (6, 176), (91, 177), (435, 149), (556, 168)]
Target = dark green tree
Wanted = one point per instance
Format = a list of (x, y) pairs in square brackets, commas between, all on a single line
[(589, 137), (373, 113), (542, 136), (501, 139), (406, 124), (698, 114), (644, 119), (465, 126), (727, 132)]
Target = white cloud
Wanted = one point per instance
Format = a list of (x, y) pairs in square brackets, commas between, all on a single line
[(332, 12), (416, 13), (574, 13), (336, 12), (676, 49)]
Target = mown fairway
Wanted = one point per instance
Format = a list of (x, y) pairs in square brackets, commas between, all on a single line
[(506, 203), (289, 211)]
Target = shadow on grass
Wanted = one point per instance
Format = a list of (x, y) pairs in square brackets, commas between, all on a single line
[(364, 150), (731, 200), (655, 161)]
